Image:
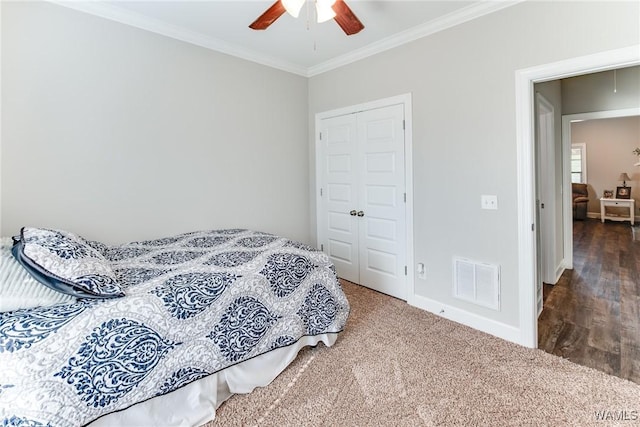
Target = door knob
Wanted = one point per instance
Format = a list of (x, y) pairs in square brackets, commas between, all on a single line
[(352, 213), (360, 213)]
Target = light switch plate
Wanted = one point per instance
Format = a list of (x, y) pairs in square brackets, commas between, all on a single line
[(420, 270), (489, 201)]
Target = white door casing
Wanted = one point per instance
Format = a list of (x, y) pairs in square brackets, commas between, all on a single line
[(362, 211), (524, 81)]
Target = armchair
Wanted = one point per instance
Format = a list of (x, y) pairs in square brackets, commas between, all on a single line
[(580, 200)]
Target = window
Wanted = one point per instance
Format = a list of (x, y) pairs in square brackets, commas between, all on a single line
[(579, 163)]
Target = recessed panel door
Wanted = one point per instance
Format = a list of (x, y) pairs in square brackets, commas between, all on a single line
[(381, 200), (362, 208), (340, 182)]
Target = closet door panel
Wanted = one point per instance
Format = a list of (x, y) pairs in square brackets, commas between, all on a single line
[(381, 199), (340, 177)]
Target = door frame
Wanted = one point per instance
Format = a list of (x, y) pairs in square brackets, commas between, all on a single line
[(525, 124), (404, 99)]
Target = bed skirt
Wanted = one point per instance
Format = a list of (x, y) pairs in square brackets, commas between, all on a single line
[(195, 404)]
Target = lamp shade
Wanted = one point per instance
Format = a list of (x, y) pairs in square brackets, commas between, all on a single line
[(293, 6), (324, 10), (624, 177)]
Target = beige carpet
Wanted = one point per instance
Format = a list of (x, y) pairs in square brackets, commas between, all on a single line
[(396, 365)]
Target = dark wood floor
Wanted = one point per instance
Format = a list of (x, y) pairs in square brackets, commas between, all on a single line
[(592, 315)]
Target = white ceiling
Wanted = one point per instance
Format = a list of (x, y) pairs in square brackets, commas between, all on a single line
[(297, 45)]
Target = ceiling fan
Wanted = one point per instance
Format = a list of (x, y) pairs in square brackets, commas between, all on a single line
[(326, 10)]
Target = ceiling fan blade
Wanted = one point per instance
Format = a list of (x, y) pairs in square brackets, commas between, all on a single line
[(345, 17), (268, 17)]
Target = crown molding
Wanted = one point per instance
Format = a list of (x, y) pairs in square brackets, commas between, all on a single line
[(114, 13), (439, 24), (137, 20)]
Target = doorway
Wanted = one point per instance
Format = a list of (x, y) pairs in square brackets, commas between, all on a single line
[(590, 316), (525, 125), (363, 177)]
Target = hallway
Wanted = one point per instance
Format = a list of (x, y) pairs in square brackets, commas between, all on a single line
[(592, 315)]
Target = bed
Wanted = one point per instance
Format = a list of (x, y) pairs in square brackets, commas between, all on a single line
[(156, 332)]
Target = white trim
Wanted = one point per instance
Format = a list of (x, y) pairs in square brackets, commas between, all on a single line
[(524, 80), (609, 114), (371, 105), (408, 171), (442, 23), (128, 17), (498, 329), (404, 99), (559, 270), (317, 189)]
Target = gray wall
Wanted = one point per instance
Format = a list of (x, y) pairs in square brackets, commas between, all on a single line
[(464, 125), (120, 134), (595, 92), (610, 141), (610, 144)]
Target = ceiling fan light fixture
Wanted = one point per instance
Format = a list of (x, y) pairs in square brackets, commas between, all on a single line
[(293, 7), (324, 10)]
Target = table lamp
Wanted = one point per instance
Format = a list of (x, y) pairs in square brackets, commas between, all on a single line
[(624, 178)]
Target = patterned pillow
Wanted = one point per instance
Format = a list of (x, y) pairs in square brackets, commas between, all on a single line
[(67, 263), (18, 289)]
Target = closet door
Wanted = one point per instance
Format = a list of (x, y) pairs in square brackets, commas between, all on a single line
[(361, 214), (381, 200), (337, 215)]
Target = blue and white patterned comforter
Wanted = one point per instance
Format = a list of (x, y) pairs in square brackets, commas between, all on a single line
[(195, 304)]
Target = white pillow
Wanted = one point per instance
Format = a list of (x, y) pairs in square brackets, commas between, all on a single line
[(18, 289)]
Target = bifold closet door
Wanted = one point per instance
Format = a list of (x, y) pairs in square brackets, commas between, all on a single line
[(362, 214)]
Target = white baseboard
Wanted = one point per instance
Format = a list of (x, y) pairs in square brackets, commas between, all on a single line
[(593, 215), (559, 270), (500, 330)]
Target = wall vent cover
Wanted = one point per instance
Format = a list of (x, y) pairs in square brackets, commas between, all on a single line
[(476, 282)]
